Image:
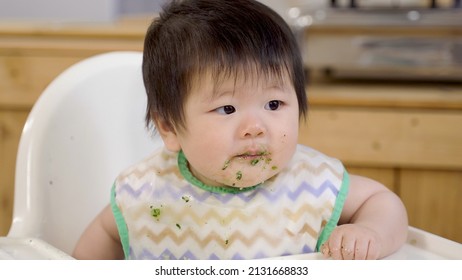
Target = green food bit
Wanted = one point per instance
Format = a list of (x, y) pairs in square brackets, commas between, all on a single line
[(155, 212), (226, 165), (178, 226), (185, 198), (226, 241), (254, 161), (239, 175), (274, 167)]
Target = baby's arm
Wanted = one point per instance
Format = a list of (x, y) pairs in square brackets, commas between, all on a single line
[(373, 223), (101, 239)]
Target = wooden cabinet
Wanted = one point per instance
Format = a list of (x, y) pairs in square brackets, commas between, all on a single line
[(432, 198), (11, 123), (405, 135)]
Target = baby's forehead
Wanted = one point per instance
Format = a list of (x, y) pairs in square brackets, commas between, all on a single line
[(217, 81)]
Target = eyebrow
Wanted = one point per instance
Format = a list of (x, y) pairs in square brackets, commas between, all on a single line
[(217, 94), (281, 87), (269, 82)]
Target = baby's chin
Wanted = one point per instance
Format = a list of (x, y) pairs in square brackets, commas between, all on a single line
[(243, 185), (243, 180)]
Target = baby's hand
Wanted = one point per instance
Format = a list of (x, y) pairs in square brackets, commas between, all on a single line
[(352, 242)]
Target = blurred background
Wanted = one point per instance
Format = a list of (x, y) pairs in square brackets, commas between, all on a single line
[(384, 84), (75, 11)]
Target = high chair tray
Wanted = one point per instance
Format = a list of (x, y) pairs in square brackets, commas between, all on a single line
[(29, 249), (420, 245)]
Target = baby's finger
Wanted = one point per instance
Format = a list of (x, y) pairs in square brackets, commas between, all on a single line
[(325, 250), (373, 251), (333, 246), (361, 249), (348, 248)]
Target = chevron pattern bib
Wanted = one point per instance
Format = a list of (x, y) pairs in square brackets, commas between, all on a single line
[(160, 214)]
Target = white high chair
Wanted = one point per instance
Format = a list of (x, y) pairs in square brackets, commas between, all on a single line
[(86, 127)]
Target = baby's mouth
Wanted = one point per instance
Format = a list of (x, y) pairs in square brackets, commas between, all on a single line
[(252, 157), (247, 156)]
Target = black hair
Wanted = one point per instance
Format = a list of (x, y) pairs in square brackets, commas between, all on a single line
[(191, 37)]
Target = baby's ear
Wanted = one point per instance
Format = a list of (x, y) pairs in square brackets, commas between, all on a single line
[(168, 133)]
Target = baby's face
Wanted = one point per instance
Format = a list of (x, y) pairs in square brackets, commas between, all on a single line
[(241, 132)]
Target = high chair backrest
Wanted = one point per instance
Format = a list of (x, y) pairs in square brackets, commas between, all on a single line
[(86, 127)]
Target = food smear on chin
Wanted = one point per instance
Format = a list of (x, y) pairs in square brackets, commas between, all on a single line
[(226, 164), (239, 175), (254, 161)]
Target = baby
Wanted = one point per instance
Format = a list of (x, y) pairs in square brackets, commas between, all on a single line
[(226, 90)]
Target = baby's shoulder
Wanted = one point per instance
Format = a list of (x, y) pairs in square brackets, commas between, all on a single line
[(154, 163), (309, 155)]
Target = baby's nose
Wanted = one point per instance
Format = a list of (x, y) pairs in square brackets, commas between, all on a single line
[(252, 127)]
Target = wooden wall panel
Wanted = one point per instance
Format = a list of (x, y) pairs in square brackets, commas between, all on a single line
[(11, 124), (434, 201), (24, 78), (401, 138)]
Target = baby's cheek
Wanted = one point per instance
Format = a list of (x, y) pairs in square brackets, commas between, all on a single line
[(284, 138)]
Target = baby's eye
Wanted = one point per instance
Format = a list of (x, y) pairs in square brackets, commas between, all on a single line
[(273, 105), (226, 110)]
